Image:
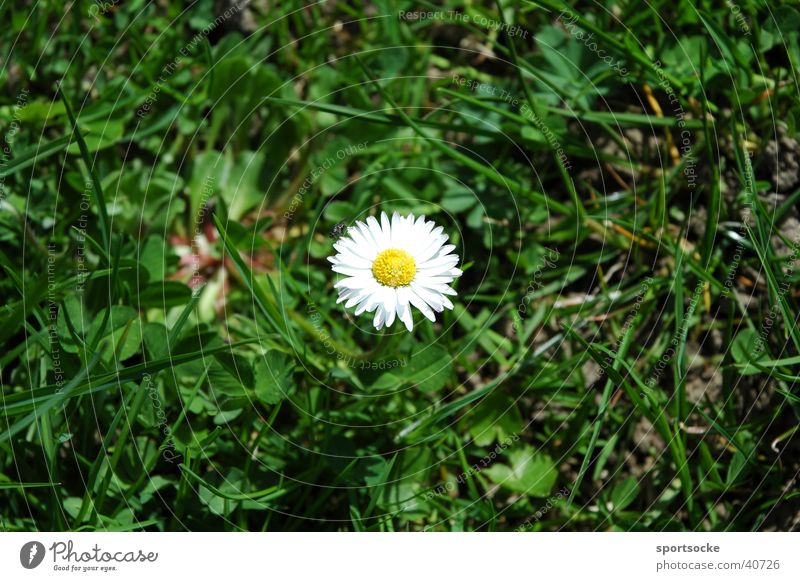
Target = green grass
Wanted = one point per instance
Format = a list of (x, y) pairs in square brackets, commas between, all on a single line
[(623, 352)]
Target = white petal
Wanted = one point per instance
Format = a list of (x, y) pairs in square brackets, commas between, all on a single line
[(368, 250), (425, 226), (360, 296), (351, 271), (442, 263), (367, 233), (377, 321), (381, 241), (430, 281), (367, 306), (373, 299), (390, 305), (423, 307), (445, 290), (353, 260), (349, 252), (345, 295), (432, 298), (409, 224), (431, 247), (386, 228), (404, 308), (397, 230), (355, 282)]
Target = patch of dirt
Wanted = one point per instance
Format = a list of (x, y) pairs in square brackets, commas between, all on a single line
[(755, 393), (782, 159), (703, 382), (648, 444), (790, 228)]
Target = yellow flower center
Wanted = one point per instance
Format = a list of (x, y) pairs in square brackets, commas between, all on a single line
[(394, 267)]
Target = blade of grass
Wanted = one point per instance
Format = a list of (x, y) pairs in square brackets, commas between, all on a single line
[(97, 187), (500, 180), (639, 394), (602, 409), (130, 412)]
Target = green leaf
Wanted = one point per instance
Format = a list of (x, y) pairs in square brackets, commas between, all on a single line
[(459, 199), (153, 257), (735, 468), (273, 377), (496, 419), (99, 135), (230, 375), (624, 493), (164, 294), (73, 308), (124, 330), (155, 337), (427, 371), (743, 349), (530, 472), (223, 385)]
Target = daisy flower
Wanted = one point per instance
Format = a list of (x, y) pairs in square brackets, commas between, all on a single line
[(393, 265)]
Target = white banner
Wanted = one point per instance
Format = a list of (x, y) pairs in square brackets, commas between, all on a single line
[(382, 556)]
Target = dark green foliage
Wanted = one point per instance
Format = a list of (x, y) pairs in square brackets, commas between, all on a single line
[(620, 180)]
